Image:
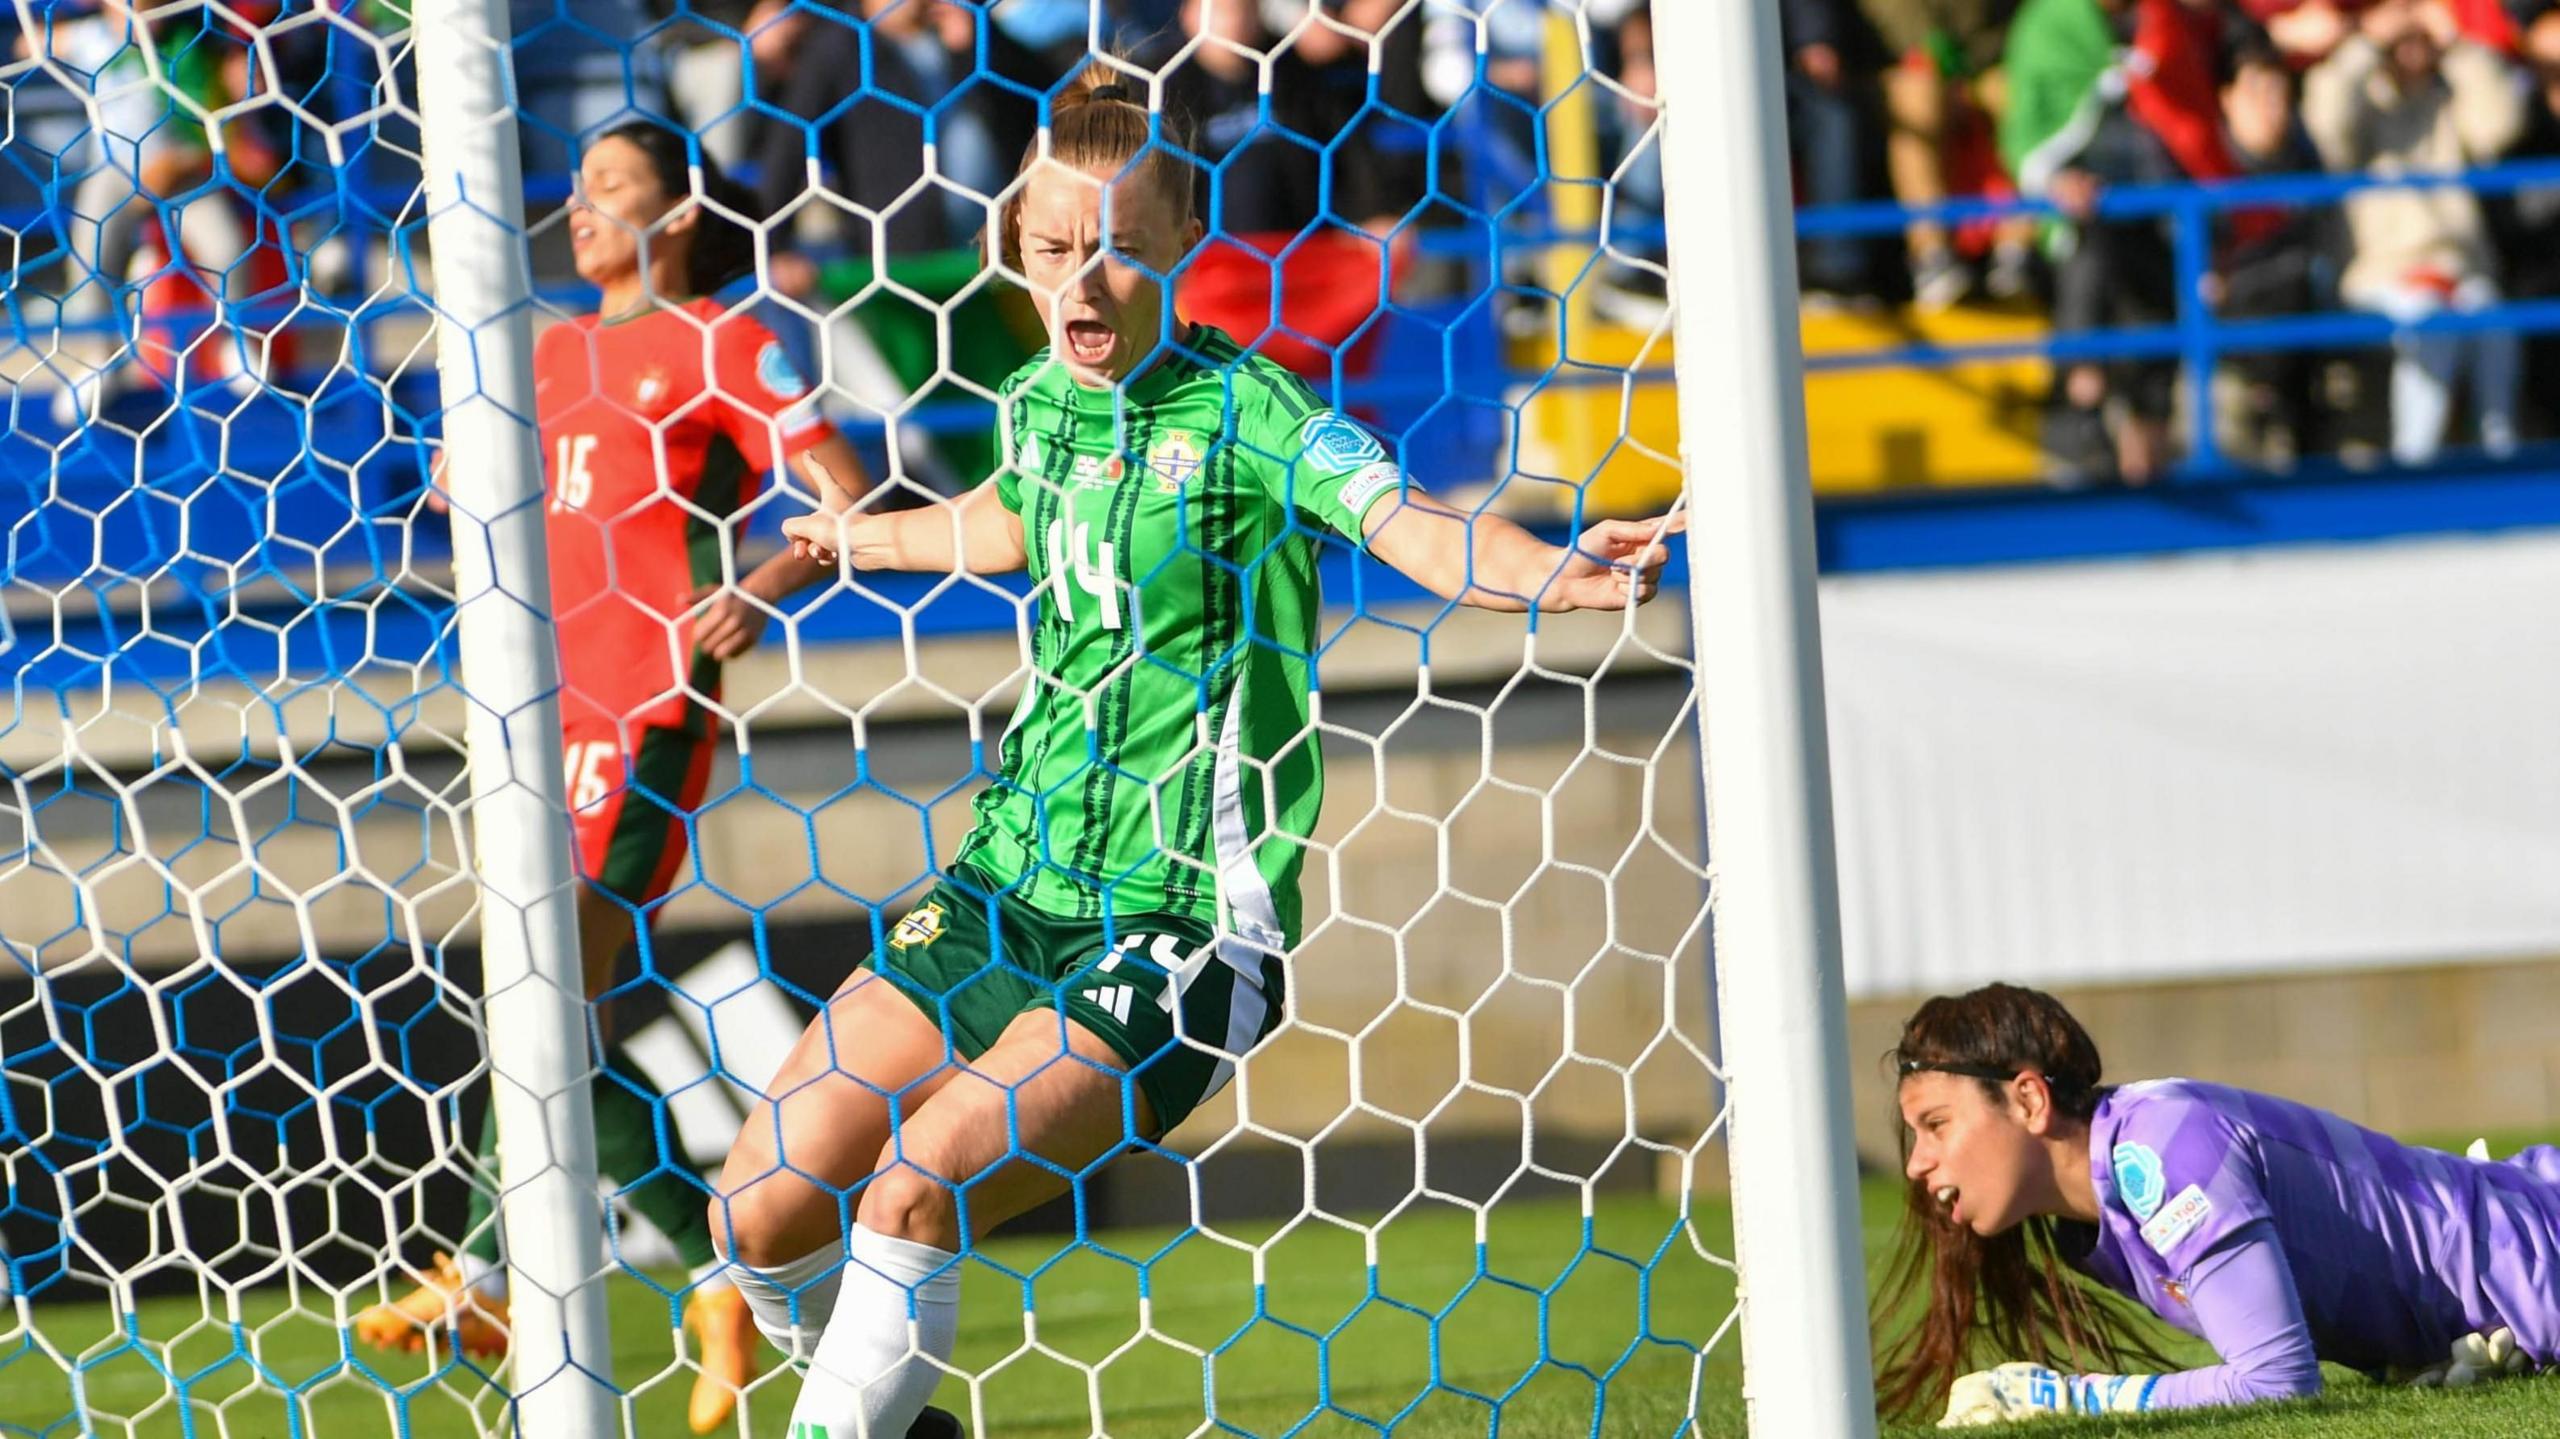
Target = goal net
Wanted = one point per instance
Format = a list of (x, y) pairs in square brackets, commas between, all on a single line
[(1473, 1179)]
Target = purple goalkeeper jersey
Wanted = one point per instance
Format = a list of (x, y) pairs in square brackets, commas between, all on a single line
[(2283, 1235)]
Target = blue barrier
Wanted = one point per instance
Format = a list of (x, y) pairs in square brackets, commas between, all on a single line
[(1441, 364), (382, 624), (2197, 337), (2326, 506)]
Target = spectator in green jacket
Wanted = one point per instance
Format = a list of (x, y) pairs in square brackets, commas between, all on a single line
[(2106, 92)]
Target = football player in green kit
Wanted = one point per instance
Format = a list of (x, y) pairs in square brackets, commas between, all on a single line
[(1107, 942)]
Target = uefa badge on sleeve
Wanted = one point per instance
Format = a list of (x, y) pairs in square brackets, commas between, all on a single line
[(777, 374), (2138, 1179), (1335, 445)]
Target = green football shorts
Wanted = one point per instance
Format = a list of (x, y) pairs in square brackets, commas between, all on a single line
[(1178, 1007)]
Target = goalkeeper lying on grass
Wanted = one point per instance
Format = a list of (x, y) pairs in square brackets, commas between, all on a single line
[(2279, 1234)]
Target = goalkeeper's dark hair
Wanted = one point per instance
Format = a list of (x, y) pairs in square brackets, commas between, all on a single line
[(1101, 122), (720, 246), (2009, 1296)]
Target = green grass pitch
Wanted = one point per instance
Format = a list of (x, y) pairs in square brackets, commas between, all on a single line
[(1322, 1354)]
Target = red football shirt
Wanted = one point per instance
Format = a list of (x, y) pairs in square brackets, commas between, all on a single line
[(653, 430)]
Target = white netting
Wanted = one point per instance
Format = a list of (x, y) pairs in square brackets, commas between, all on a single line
[(1471, 1179)]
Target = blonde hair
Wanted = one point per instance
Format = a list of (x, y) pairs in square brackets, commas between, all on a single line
[(1101, 122)]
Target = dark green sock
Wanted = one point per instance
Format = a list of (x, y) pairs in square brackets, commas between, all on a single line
[(656, 1183), (480, 1237)]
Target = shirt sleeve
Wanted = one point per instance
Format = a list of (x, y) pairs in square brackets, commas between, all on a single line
[(2244, 1301), (764, 404), (2186, 1176), (1316, 460)]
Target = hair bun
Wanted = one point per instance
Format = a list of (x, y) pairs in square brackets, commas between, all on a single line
[(1113, 91)]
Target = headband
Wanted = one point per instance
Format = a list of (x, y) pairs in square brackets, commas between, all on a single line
[(1994, 1072)]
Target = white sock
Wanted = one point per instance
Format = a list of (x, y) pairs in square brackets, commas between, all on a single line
[(791, 1301), (876, 1366)]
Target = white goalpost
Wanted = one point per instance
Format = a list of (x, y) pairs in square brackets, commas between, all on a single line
[(534, 994), (1781, 1004)]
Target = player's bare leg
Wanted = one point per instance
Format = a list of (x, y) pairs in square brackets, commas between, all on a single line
[(778, 1210), (1048, 1082), (820, 1129)]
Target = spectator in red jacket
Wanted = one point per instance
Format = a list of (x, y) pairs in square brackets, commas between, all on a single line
[(2088, 115), (2266, 263), (2307, 30)]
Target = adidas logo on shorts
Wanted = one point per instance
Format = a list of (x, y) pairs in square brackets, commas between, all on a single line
[(1113, 999)]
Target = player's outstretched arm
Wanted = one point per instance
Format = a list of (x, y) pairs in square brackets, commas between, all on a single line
[(975, 534), (2243, 1297), (729, 621), (1491, 563)]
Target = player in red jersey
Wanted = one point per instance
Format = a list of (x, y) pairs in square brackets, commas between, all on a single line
[(660, 414)]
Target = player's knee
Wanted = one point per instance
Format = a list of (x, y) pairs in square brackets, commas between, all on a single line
[(902, 1202), (757, 1226)]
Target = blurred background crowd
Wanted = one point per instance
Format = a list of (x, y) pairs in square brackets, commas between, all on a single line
[(2062, 100), (2051, 176)]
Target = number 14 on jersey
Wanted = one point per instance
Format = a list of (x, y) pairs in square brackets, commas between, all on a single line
[(1095, 570)]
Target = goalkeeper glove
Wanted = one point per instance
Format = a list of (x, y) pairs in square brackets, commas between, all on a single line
[(2473, 1358), (2023, 1391)]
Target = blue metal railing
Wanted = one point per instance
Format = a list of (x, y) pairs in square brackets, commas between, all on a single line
[(2197, 336)]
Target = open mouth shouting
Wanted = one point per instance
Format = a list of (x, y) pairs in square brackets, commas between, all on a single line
[(1090, 343)]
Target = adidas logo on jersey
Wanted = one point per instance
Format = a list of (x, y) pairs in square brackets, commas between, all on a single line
[(1030, 459)]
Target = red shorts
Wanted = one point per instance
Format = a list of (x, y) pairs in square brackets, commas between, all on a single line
[(631, 813)]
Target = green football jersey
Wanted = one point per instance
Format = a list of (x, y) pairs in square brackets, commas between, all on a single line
[(1162, 759)]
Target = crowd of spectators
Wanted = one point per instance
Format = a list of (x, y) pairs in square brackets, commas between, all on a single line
[(2061, 100), (1363, 113), (837, 95), (1381, 111)]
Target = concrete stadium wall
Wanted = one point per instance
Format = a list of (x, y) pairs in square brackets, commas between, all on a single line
[(1493, 849), (1503, 912)]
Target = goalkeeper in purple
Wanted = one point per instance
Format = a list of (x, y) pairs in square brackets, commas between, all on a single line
[(2280, 1234)]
